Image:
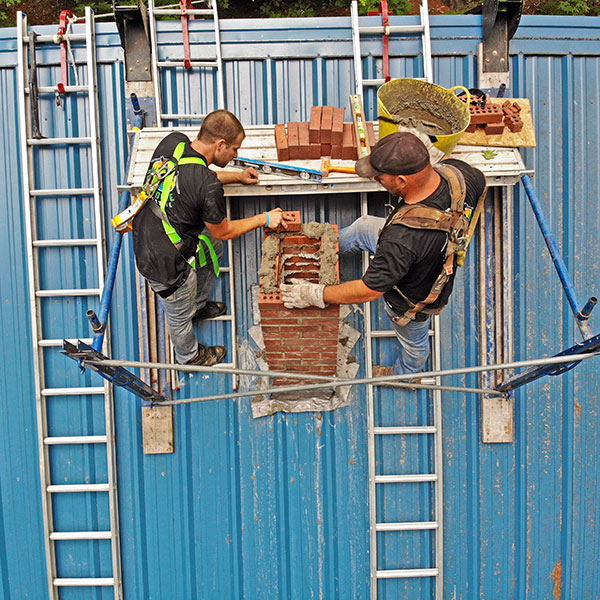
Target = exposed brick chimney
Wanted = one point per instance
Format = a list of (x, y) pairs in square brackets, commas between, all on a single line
[(299, 340)]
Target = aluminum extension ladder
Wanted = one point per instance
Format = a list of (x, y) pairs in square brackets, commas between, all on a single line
[(43, 190), (188, 63), (214, 66), (422, 30), (432, 432)]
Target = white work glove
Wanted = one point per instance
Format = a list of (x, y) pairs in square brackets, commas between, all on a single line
[(300, 294)]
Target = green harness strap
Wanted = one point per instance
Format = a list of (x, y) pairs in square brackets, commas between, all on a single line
[(165, 194)]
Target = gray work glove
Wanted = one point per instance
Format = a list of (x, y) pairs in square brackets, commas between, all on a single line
[(300, 294)]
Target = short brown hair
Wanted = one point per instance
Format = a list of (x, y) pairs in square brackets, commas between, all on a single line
[(220, 124)]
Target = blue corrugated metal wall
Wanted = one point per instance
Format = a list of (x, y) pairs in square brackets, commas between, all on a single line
[(277, 507)]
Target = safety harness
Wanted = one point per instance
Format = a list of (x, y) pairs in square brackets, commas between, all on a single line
[(164, 194), (455, 221)]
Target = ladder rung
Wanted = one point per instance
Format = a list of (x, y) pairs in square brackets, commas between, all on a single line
[(373, 81), (47, 89), (65, 243), (67, 488), (172, 116), (81, 535), (72, 37), (83, 581), (75, 439), (388, 333), (392, 29), (408, 526), (193, 63), (59, 141), (81, 391), (221, 318), (61, 293), (63, 192), (405, 573), (177, 12), (413, 478), (59, 343), (404, 430)]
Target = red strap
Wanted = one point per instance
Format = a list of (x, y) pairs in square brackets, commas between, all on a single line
[(185, 5), (385, 21), (65, 16)]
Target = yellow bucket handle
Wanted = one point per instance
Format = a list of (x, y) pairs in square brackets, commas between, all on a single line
[(462, 87)]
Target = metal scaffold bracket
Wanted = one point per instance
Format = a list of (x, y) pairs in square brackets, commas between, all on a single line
[(115, 374), (533, 373)]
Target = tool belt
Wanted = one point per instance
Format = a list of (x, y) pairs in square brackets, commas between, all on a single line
[(164, 194), (454, 221)]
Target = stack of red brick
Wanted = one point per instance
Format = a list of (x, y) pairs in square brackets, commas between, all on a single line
[(298, 340), (494, 118), (325, 135)]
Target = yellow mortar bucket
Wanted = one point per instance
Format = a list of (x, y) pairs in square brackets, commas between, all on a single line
[(429, 108)]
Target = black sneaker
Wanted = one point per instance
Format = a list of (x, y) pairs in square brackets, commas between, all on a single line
[(207, 356), (210, 310)]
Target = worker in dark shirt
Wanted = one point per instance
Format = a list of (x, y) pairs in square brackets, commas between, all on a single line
[(407, 261), (177, 234)]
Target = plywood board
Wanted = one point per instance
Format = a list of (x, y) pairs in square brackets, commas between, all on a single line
[(157, 429), (523, 139)]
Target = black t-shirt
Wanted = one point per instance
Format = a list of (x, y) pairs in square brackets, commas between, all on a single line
[(198, 199), (412, 259)]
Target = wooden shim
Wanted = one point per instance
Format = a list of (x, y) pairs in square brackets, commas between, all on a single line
[(497, 420), (157, 429)]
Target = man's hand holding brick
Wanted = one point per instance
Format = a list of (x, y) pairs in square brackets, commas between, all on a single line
[(299, 294)]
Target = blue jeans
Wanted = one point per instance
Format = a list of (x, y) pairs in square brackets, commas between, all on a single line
[(181, 305), (360, 236)]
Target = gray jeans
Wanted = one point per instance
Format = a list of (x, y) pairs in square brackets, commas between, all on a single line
[(181, 305)]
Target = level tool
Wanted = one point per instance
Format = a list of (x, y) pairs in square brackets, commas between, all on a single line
[(270, 168)]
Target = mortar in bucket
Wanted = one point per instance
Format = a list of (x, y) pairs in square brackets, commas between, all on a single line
[(429, 108)]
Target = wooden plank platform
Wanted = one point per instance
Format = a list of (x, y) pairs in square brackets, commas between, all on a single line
[(501, 166)]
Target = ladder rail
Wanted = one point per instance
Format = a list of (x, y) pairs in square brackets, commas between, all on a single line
[(33, 282)]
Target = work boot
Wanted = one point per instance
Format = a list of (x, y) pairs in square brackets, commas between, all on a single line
[(380, 371), (210, 310), (207, 356)]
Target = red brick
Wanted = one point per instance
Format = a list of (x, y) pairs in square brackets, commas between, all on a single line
[(326, 124), (337, 127), (294, 140), (349, 151), (494, 128), (490, 113), (293, 220), (326, 150), (336, 152), (314, 151), (281, 143), (314, 127), (303, 140), (514, 123)]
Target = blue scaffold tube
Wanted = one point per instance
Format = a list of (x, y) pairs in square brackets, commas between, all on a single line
[(115, 249)]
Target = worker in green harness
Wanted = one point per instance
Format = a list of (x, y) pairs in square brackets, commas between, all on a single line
[(177, 234)]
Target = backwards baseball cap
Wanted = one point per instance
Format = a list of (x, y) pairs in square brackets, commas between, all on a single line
[(399, 153)]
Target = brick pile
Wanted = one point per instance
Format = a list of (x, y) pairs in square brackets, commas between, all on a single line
[(493, 118), (325, 135), (298, 340)]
